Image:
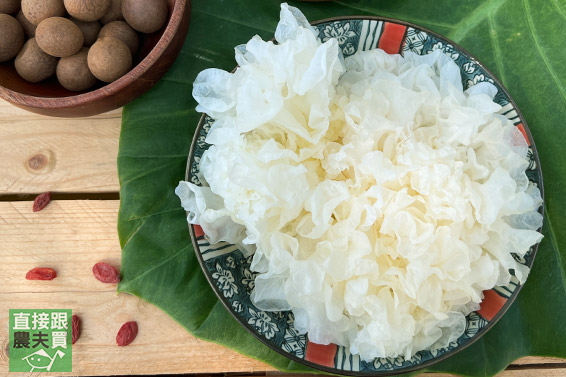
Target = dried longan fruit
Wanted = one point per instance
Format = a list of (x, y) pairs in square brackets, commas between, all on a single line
[(90, 30), (29, 28), (59, 37), (9, 6), (114, 13), (146, 16), (122, 31), (11, 37), (87, 10), (109, 59), (73, 72), (38, 10), (33, 64)]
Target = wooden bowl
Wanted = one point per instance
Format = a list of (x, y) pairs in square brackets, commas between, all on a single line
[(156, 54)]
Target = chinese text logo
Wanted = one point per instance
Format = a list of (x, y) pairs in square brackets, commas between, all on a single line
[(40, 340)]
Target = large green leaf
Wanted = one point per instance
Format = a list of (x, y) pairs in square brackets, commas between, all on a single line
[(521, 41)]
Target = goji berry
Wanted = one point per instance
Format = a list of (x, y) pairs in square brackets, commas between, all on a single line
[(76, 328), (41, 273), (127, 333), (41, 201), (106, 273)]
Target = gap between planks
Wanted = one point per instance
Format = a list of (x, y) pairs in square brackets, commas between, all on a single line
[(72, 235), (63, 196)]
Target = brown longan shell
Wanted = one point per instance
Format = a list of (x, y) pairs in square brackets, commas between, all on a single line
[(59, 37), (90, 30), (114, 13), (9, 6), (33, 64), (11, 37), (73, 73), (109, 59), (122, 31), (29, 28), (38, 10), (87, 10), (146, 16)]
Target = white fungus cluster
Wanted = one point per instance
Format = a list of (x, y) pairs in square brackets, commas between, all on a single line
[(378, 197)]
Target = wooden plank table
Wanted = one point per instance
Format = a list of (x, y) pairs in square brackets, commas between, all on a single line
[(76, 160)]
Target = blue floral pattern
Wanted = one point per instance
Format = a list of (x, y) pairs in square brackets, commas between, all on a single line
[(347, 33), (337, 30), (225, 281), (262, 322), (249, 280), (238, 307), (447, 48), (388, 363)]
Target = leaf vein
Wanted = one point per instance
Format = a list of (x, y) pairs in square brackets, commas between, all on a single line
[(154, 267), (158, 115), (153, 214), (530, 23), (556, 248), (236, 22), (212, 52), (559, 9), (497, 50), (121, 233), (466, 24), (144, 173), (209, 310)]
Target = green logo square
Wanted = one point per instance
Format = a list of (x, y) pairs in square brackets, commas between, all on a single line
[(40, 340)]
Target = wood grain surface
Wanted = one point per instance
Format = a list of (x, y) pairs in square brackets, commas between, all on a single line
[(72, 235), (162, 346), (69, 236), (40, 154)]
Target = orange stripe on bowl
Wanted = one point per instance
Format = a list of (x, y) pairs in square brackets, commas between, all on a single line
[(321, 354), (198, 231), (392, 38), (491, 304), (522, 129)]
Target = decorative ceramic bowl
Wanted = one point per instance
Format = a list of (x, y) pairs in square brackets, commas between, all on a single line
[(229, 272), (156, 54)]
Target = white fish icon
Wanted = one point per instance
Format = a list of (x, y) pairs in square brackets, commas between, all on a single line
[(41, 359)]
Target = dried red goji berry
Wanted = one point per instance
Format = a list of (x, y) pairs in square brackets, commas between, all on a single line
[(41, 273), (41, 201), (127, 333), (106, 273), (76, 327)]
